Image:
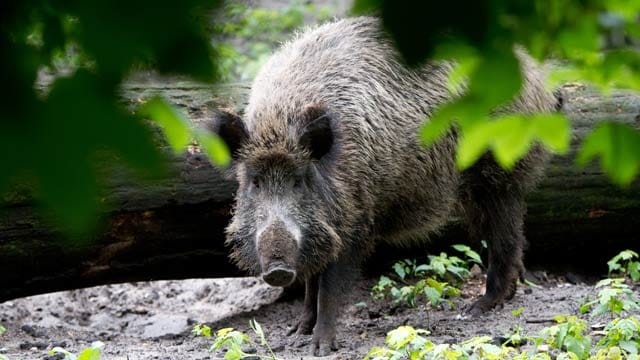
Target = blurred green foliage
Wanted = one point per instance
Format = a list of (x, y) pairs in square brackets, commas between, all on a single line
[(594, 41), (53, 131), (64, 61), (246, 36)]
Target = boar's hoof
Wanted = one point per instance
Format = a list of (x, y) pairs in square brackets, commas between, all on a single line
[(304, 326), (322, 346), (279, 276), (481, 306)]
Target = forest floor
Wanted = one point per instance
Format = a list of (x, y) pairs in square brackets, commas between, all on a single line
[(153, 320)]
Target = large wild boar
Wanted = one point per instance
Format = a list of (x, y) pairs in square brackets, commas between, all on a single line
[(329, 163)]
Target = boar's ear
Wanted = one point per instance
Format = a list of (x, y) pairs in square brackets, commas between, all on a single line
[(317, 135), (230, 128)]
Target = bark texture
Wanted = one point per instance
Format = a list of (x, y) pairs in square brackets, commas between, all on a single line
[(173, 227)]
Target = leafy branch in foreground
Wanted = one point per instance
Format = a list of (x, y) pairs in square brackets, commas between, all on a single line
[(60, 130), (482, 40), (233, 341)]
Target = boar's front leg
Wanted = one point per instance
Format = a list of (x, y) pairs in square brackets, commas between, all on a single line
[(324, 333), (333, 284), (309, 313)]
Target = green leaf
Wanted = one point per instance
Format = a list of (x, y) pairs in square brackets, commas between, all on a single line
[(517, 311), (233, 353), (214, 147), (618, 148), (433, 295), (495, 67), (613, 266), (600, 310), (92, 353), (67, 354), (436, 127), (459, 75), (586, 307), (470, 253), (399, 269), (511, 136), (201, 330), (175, 127), (563, 330), (630, 347), (401, 336), (634, 270), (580, 347)]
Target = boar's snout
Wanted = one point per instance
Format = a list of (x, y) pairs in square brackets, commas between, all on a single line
[(279, 275), (278, 252)]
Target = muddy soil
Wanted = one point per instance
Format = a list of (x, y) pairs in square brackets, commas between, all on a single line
[(153, 320)]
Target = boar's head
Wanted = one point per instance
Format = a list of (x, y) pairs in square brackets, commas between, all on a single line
[(284, 215)]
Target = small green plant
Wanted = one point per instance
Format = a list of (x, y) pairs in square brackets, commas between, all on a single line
[(469, 253), (435, 281), (434, 291), (516, 337), (625, 263), (623, 333), (615, 296), (452, 269), (406, 342), (409, 268), (569, 334), (91, 353), (233, 341), (379, 290), (201, 330), (568, 339)]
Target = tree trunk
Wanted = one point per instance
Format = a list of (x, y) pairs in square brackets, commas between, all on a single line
[(174, 227)]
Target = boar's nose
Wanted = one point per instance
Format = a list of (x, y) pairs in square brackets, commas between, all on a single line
[(279, 275), (278, 252)]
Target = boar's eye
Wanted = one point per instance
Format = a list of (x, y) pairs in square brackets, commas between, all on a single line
[(297, 182), (256, 183)]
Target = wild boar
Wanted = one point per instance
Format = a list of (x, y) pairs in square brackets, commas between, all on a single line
[(329, 163)]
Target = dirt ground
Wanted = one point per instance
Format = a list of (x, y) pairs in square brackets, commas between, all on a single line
[(153, 320)]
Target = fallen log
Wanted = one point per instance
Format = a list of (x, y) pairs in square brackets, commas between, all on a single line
[(173, 227)]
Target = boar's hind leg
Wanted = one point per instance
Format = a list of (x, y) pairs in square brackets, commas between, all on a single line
[(333, 286), (497, 217), (309, 312)]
